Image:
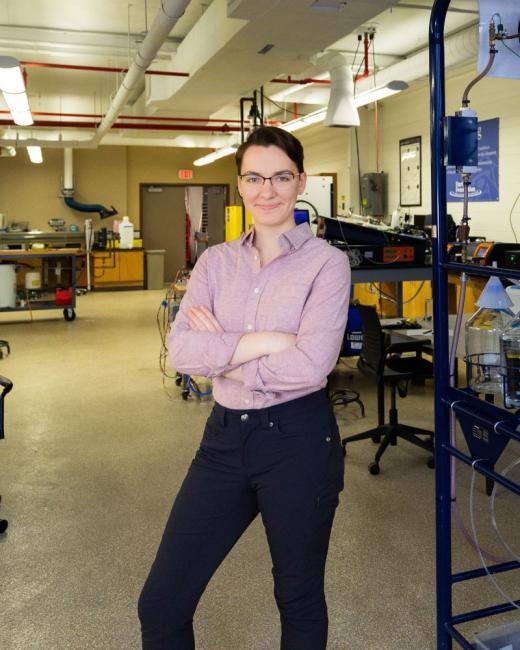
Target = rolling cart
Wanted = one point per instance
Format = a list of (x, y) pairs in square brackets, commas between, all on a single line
[(54, 294), (487, 428)]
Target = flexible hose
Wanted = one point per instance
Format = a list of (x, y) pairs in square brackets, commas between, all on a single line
[(476, 545)]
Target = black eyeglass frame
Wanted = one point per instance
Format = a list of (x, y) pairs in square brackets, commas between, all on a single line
[(269, 178)]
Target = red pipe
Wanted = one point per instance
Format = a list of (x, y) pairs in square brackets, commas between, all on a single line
[(295, 110), (365, 74), (131, 117), (290, 80), (126, 125), (95, 68)]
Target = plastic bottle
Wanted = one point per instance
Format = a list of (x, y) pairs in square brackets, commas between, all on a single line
[(510, 359), (483, 338), (126, 233)]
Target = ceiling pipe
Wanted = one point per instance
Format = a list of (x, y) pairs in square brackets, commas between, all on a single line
[(95, 116), (366, 71), (302, 82), (130, 125), (96, 68), (168, 14)]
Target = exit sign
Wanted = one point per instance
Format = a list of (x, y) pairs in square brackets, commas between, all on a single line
[(185, 174)]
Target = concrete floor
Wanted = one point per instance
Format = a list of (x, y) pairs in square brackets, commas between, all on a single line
[(95, 453)]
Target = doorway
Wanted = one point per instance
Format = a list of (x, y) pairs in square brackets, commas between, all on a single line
[(164, 212)]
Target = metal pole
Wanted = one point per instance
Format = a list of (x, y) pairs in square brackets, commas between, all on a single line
[(440, 314)]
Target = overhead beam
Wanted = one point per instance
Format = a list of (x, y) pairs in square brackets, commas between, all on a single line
[(453, 10)]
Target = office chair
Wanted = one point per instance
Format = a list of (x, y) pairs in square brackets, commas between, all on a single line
[(380, 359), (7, 385), (346, 395)]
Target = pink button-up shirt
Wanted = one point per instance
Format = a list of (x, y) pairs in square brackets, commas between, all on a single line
[(304, 291)]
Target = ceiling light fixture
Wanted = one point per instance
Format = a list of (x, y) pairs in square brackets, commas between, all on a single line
[(12, 85), (363, 99), (35, 154), (215, 155)]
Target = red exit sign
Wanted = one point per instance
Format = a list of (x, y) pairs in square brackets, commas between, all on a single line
[(185, 174)]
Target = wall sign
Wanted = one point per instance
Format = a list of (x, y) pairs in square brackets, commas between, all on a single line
[(410, 171), (484, 182)]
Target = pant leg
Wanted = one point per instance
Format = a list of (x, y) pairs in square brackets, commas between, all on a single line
[(213, 508), (297, 500)]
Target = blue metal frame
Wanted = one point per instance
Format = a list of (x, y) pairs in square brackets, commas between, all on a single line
[(466, 404)]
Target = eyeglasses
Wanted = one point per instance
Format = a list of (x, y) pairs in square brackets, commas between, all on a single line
[(280, 181)]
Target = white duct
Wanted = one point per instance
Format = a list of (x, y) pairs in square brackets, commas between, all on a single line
[(169, 13), (68, 173), (341, 110)]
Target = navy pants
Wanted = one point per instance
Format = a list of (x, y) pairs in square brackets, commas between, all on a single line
[(284, 462)]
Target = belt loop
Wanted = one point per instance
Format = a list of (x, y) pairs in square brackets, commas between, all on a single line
[(264, 418)]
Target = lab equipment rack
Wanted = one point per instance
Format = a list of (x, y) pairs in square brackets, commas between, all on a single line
[(46, 256), (486, 427)]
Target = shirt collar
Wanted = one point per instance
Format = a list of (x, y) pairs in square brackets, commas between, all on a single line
[(290, 240)]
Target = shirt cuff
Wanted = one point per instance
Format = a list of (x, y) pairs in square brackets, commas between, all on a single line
[(219, 352), (251, 376)]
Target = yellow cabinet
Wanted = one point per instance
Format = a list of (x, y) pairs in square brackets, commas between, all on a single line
[(117, 269)]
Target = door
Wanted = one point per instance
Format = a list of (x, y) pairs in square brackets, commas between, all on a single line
[(163, 220), (163, 225)]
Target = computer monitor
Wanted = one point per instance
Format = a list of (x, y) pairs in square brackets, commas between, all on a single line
[(301, 216)]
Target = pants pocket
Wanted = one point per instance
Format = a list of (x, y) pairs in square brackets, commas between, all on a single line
[(326, 454)]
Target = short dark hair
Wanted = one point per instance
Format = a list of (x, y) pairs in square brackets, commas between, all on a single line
[(266, 136)]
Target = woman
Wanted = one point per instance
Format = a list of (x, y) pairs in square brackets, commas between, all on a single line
[(264, 317)]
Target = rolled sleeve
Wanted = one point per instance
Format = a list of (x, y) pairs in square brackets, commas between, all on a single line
[(315, 353)]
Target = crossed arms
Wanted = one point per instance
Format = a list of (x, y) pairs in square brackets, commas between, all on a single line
[(266, 361)]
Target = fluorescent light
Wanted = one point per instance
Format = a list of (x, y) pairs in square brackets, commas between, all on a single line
[(22, 118), (11, 77), (215, 155), (380, 92), (12, 85), (305, 120), (35, 154), (368, 97)]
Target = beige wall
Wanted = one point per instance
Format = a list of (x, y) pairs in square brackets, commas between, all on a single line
[(109, 175), (29, 192)]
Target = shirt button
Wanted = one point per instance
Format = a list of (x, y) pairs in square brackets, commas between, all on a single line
[(257, 290), (327, 439), (249, 327), (271, 424), (256, 257), (244, 417)]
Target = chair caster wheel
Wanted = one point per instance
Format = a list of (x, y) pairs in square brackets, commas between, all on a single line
[(185, 394), (431, 462), (376, 439), (3, 526), (373, 468)]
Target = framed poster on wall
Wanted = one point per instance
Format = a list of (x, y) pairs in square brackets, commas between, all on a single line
[(410, 163)]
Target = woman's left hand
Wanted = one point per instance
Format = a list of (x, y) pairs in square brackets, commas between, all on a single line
[(202, 319)]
